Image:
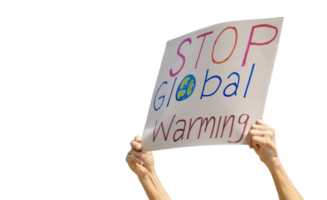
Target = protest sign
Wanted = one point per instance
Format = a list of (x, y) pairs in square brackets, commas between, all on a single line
[(212, 85)]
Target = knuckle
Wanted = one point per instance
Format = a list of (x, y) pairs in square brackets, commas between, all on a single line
[(127, 158), (132, 151), (270, 143), (135, 158), (270, 133), (138, 137), (131, 143), (136, 154), (140, 155), (134, 145)]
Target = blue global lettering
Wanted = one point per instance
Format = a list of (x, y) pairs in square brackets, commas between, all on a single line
[(187, 87)]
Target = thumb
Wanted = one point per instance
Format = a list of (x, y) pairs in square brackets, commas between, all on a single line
[(137, 137)]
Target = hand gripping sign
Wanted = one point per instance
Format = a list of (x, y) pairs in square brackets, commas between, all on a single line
[(212, 85)]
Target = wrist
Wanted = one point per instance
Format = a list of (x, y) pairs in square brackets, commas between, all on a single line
[(284, 186), (273, 163), (148, 179), (152, 186), (150, 176)]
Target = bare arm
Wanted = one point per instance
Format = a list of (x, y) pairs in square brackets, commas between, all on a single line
[(283, 183), (154, 188), (142, 165), (262, 139)]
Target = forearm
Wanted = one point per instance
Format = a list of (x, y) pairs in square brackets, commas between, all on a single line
[(153, 187), (284, 186)]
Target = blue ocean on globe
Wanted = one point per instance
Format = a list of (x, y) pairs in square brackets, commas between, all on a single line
[(185, 88)]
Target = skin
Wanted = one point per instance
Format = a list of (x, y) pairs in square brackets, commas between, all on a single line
[(139, 163), (261, 139)]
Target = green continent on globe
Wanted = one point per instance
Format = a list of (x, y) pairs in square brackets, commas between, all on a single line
[(185, 81), (190, 86), (180, 94)]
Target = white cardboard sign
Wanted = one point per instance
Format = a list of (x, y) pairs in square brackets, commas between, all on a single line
[(212, 85)]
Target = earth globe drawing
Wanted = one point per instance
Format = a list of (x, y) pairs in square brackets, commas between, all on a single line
[(185, 88)]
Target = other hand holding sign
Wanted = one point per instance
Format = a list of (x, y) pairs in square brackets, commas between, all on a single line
[(139, 162), (262, 139)]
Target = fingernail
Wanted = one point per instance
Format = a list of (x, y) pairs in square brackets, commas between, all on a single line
[(139, 146)]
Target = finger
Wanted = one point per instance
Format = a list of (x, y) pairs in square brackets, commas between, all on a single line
[(250, 147), (266, 124), (252, 133), (249, 137), (129, 159), (265, 132), (258, 127), (135, 145), (262, 133), (138, 154), (137, 137), (260, 122), (132, 158), (136, 159), (249, 140), (257, 142)]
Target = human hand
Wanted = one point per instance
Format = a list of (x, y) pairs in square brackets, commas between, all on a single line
[(261, 138), (140, 163)]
